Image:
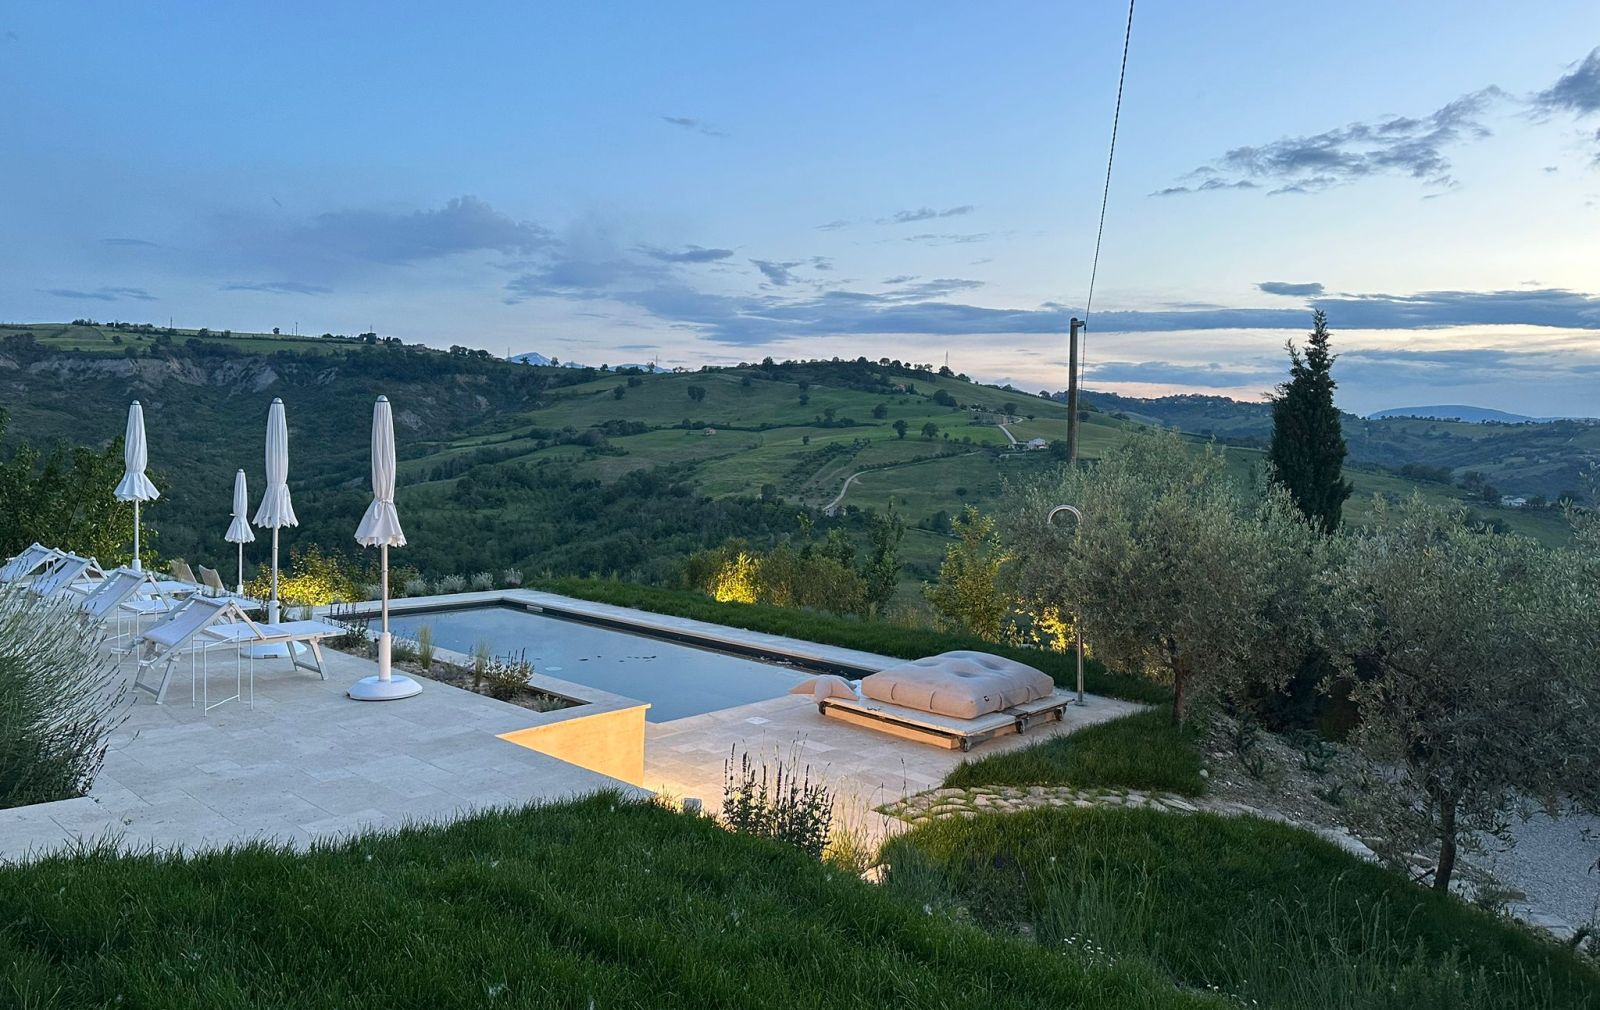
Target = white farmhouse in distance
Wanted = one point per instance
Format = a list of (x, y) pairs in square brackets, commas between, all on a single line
[(1036, 443)]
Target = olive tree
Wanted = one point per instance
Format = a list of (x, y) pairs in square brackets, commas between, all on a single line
[(968, 597), (1479, 656), (1175, 571)]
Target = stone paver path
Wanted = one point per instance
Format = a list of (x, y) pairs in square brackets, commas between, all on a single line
[(937, 803)]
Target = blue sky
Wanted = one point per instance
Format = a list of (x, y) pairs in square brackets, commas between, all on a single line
[(725, 182)]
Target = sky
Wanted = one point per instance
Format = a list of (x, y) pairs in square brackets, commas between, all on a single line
[(715, 183)]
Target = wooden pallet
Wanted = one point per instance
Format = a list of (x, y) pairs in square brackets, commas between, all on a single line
[(945, 731)]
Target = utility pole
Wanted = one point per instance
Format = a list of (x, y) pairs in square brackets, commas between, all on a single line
[(1072, 390)]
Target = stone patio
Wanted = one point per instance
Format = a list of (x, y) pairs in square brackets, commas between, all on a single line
[(866, 768), (304, 763)]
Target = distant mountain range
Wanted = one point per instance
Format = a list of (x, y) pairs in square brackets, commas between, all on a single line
[(1461, 412), (535, 358)]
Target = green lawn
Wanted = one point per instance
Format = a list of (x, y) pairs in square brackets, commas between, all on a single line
[(847, 632), (1269, 915), (1140, 751), (596, 903)]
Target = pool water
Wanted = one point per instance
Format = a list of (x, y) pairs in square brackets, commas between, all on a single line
[(678, 680)]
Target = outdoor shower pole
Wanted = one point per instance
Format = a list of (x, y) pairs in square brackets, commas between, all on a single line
[(1072, 390), (1077, 625)]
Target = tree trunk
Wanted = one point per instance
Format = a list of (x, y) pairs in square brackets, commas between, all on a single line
[(1180, 693), (1447, 845)]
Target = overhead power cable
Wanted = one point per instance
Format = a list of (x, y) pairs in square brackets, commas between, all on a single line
[(1111, 156)]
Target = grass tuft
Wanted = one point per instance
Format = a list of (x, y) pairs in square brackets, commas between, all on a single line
[(1140, 751)]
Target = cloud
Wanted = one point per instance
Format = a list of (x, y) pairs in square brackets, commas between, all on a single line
[(899, 279), (577, 275), (1535, 307), (1397, 145), (1207, 186), (689, 254), (821, 263), (103, 294), (925, 214), (1286, 288), (780, 274), (947, 238), (697, 125), (834, 225), (936, 288), (277, 287), (747, 320), (1576, 91), (464, 224), (1209, 374), (127, 242), (1375, 370)]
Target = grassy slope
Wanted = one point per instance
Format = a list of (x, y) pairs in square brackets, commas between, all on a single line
[(1141, 751), (1263, 911), (884, 639), (589, 904)]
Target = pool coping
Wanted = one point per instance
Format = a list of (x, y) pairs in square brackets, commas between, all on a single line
[(682, 629)]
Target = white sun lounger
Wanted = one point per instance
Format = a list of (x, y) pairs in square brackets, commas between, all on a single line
[(125, 595), (203, 624), (30, 562), (69, 573), (211, 585)]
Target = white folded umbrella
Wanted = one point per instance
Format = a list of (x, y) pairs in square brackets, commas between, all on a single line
[(239, 531), (380, 528), (276, 511), (135, 486)]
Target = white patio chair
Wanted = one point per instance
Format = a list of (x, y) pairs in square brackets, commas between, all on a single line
[(125, 596)]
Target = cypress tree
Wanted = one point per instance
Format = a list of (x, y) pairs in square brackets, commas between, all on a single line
[(1307, 451)]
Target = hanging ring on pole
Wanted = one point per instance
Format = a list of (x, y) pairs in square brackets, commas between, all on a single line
[(1076, 513)]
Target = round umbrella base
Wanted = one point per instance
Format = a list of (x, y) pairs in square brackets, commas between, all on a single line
[(277, 650), (373, 689)]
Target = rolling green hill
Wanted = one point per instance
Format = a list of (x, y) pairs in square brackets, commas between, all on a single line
[(578, 471), (1546, 459)]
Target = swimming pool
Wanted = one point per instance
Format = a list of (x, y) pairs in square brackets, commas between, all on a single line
[(678, 679)]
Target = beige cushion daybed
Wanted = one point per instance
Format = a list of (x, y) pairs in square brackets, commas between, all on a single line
[(964, 685), (955, 699)]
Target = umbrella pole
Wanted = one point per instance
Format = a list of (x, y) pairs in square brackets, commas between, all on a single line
[(238, 587), (385, 642), (136, 565), (272, 607)]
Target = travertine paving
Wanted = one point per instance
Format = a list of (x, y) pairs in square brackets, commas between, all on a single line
[(867, 769), (303, 763)]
